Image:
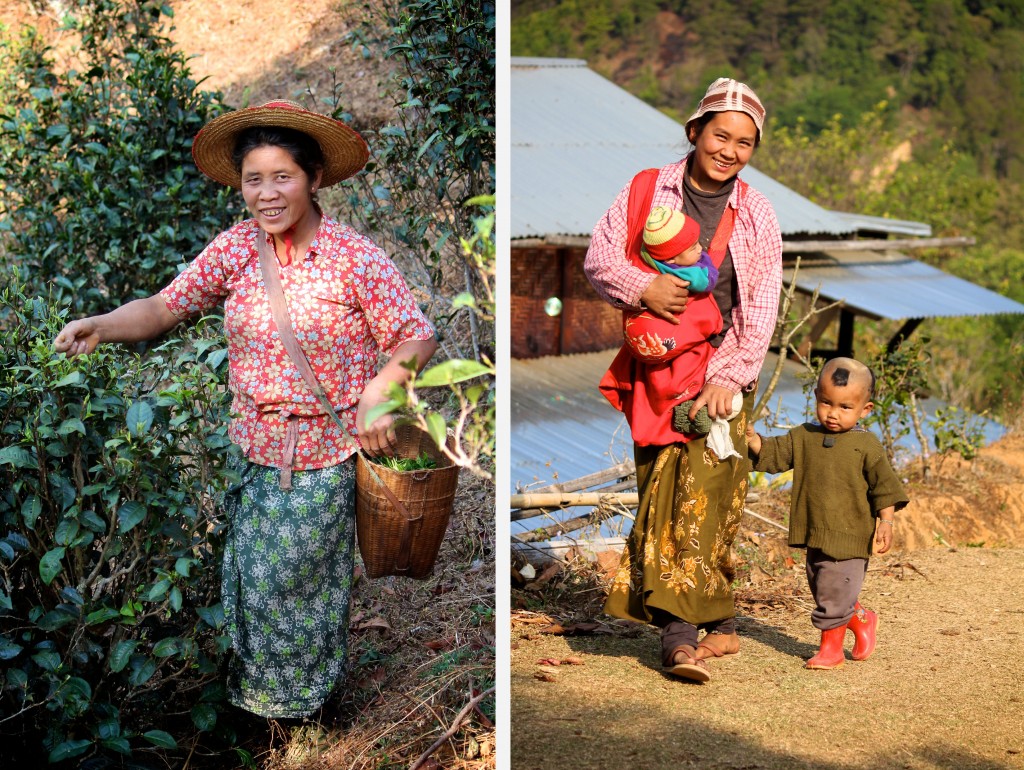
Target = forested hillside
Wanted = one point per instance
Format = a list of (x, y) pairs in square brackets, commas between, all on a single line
[(809, 59), (911, 109)]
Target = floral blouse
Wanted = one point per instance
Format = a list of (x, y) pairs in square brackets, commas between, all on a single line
[(347, 303)]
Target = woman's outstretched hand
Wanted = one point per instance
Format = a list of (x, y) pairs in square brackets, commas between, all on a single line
[(78, 338), (666, 297), (140, 319)]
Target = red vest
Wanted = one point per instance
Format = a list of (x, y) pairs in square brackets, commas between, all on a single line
[(646, 393)]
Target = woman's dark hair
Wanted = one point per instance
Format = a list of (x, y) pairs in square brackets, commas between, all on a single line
[(303, 148), (697, 125)]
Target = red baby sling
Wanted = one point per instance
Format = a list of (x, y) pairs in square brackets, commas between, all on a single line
[(646, 392)]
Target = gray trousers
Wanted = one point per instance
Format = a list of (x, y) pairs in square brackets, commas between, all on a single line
[(835, 586)]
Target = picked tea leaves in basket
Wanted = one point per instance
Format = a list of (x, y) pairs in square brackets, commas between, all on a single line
[(404, 543)]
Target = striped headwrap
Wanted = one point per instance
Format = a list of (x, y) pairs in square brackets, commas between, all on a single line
[(728, 95)]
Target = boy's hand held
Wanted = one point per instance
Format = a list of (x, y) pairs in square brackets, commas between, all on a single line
[(883, 535), (753, 440)]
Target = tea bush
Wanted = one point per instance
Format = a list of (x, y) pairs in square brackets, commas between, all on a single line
[(437, 155), (109, 548), (100, 194)]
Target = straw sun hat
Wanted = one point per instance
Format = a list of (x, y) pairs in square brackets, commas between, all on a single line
[(345, 151)]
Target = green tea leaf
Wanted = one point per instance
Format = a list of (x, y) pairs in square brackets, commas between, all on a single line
[(18, 457), (50, 565), (118, 744), (108, 728), (212, 616), (161, 739), (166, 647), (121, 653), (437, 428), (102, 615), (74, 378), (129, 515), (142, 670), (140, 418), (55, 619), (8, 649), (382, 409), (66, 531), (71, 425), (30, 510), (69, 750), (48, 661), (75, 685), (204, 716), (452, 371)]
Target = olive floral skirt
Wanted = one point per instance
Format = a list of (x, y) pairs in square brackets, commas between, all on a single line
[(287, 584), (676, 564)]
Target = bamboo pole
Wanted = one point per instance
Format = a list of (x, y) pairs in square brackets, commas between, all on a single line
[(572, 499), (620, 471), (529, 513), (593, 518)]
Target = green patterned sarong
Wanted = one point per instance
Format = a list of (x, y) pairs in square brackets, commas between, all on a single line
[(286, 588), (676, 563)]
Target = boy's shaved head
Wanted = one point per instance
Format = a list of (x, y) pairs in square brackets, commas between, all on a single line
[(849, 371)]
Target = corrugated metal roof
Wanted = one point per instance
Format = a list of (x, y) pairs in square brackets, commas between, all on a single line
[(577, 138), (897, 287), (863, 222), (563, 428)]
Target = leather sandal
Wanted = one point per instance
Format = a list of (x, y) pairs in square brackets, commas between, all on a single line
[(718, 646), (697, 671)]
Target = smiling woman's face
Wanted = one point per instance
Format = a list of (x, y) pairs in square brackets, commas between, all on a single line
[(722, 149), (276, 189)]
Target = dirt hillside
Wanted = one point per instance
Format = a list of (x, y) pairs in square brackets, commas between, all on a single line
[(254, 52)]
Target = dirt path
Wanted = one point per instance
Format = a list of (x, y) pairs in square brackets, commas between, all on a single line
[(942, 690)]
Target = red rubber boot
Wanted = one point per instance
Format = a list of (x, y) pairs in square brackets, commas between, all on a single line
[(831, 653), (864, 625)]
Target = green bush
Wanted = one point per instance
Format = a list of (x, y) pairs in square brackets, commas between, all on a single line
[(109, 548), (100, 194), (437, 155), (428, 194)]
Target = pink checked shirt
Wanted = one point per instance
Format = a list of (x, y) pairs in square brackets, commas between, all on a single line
[(347, 303), (756, 248)]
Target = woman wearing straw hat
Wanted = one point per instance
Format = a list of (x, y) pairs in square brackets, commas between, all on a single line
[(289, 554), (675, 570)]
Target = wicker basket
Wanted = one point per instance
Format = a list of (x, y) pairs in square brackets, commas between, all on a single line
[(389, 543)]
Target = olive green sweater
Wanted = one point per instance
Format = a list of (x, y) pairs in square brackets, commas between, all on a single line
[(837, 490)]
